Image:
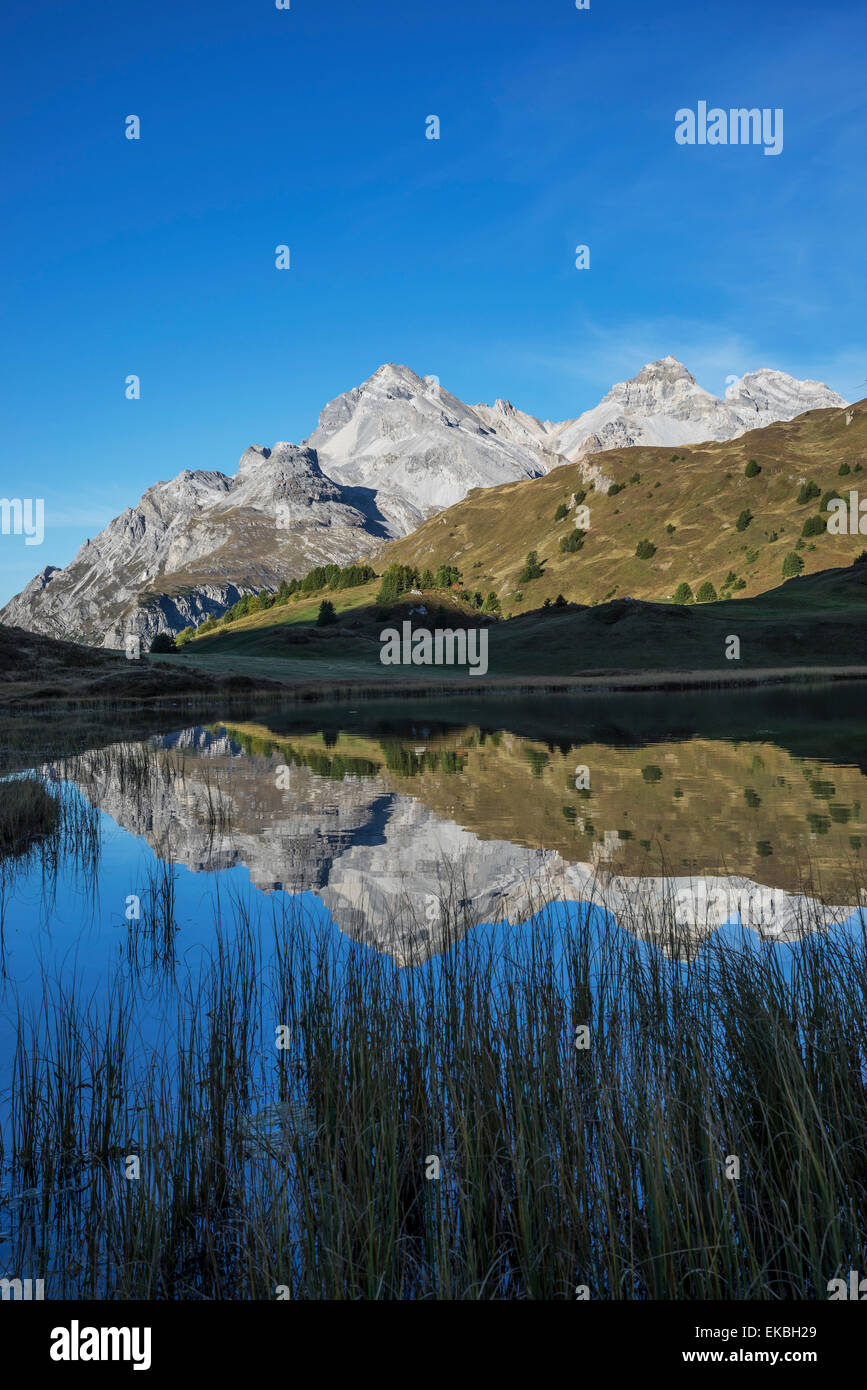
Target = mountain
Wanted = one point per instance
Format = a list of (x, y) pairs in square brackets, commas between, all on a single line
[(384, 458), (192, 546), (664, 405), (417, 446)]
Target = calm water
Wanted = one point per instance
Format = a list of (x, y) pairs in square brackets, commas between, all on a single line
[(376, 819), (380, 829)]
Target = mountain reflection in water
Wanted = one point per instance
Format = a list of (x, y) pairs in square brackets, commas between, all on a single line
[(399, 820)]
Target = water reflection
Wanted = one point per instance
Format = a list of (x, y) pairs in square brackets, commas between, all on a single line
[(401, 825)]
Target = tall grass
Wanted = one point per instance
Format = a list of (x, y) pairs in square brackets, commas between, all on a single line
[(308, 1166)]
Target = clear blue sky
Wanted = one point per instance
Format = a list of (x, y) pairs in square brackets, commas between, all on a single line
[(456, 257)]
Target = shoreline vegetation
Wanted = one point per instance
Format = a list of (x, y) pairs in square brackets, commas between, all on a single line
[(530, 1114)]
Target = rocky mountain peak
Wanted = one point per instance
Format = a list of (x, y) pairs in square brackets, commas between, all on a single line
[(384, 456)]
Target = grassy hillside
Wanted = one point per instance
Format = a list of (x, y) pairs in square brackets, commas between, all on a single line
[(685, 501), (817, 620)]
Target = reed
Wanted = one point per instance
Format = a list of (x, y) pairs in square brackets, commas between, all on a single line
[(311, 1166)]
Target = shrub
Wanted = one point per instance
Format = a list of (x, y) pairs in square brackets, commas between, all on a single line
[(807, 492), (814, 526), (730, 579), (615, 488), (792, 565), (844, 470), (645, 549), (670, 529), (491, 604), (751, 557), (636, 478), (532, 569), (573, 541), (326, 614), (683, 593), (652, 773), (752, 469), (163, 642), (744, 519), (561, 512), (738, 585), (578, 497), (706, 593), (827, 498)]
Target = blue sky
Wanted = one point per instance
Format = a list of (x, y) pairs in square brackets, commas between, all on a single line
[(307, 127)]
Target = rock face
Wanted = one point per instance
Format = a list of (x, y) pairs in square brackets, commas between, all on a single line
[(383, 458), (192, 546), (664, 405), (417, 446)]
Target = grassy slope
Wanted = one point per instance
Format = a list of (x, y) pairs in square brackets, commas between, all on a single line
[(814, 621), (700, 490)]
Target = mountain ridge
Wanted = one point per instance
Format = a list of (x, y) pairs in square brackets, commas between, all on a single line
[(384, 458)]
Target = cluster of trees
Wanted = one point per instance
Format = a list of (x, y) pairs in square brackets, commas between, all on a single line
[(326, 577), (706, 593), (807, 492), (399, 579), (487, 604), (331, 577)]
